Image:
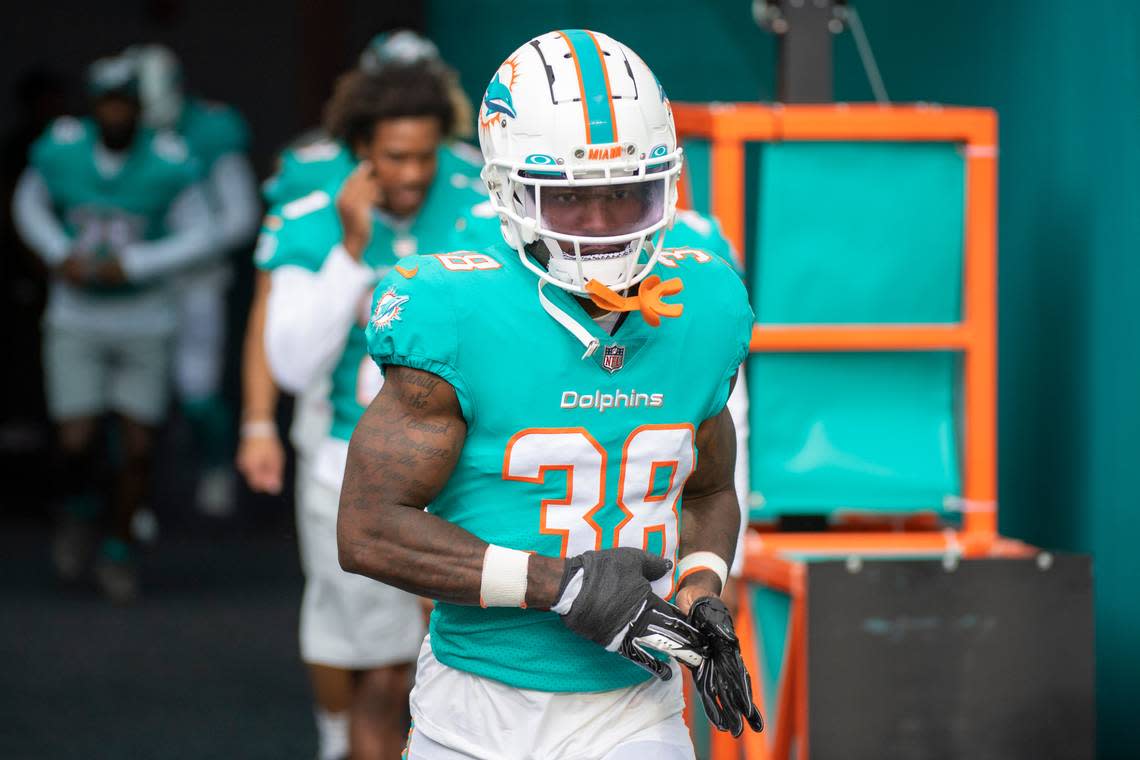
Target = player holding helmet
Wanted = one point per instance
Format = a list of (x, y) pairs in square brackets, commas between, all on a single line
[(556, 407)]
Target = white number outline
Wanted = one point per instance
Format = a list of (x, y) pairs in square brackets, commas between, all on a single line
[(636, 517), (466, 262)]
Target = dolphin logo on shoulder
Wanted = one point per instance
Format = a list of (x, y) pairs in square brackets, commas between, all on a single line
[(388, 309)]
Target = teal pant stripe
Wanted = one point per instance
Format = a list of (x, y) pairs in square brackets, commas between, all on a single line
[(595, 89)]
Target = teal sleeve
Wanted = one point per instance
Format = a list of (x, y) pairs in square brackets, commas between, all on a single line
[(305, 169), (264, 253), (738, 321), (413, 325), (303, 241), (53, 152), (719, 245), (703, 232), (39, 155), (190, 171), (288, 182), (230, 133)]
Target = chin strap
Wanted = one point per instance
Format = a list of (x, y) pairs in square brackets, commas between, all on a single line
[(647, 300), (581, 333)]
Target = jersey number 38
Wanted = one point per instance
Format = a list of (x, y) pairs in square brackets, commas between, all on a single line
[(656, 460)]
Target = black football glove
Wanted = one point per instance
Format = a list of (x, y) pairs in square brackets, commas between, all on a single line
[(605, 597), (661, 627), (721, 678)]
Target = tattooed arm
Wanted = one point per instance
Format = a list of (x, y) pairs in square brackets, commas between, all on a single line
[(401, 455), (711, 511)]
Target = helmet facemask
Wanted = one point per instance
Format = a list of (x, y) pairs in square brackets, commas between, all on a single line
[(594, 221)]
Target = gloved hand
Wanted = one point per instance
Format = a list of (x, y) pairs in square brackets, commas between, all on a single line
[(721, 678), (605, 596)]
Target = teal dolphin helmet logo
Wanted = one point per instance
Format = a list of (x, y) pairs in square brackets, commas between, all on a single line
[(498, 98)]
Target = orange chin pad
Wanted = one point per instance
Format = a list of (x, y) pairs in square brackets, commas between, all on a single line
[(647, 300)]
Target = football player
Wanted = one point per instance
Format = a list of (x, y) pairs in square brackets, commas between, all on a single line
[(694, 230), (331, 248), (218, 136), (312, 165), (114, 209), (550, 457)]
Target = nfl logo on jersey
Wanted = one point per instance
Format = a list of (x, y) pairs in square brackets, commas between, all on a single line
[(613, 358)]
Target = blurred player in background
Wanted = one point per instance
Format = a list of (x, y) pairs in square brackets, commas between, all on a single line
[(312, 164), (115, 210), (331, 246), (219, 138), (550, 456)]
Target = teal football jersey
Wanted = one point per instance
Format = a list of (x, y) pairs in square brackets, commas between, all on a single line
[(212, 130), (692, 229), (106, 214), (563, 453), (324, 162), (308, 231), (306, 168)]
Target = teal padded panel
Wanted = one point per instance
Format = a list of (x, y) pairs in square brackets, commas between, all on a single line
[(771, 613), (865, 233), (866, 432), (858, 232), (696, 157)]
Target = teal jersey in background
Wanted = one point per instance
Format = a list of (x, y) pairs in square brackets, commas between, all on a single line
[(563, 454), (324, 162), (305, 168), (105, 214), (308, 230), (212, 130), (692, 229)]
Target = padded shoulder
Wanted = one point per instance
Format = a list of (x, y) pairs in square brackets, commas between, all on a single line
[(305, 168), (413, 322), (61, 139), (300, 233), (220, 130)]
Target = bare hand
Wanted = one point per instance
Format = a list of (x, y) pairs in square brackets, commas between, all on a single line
[(108, 272), (358, 197), (694, 588), (261, 461), (75, 269)]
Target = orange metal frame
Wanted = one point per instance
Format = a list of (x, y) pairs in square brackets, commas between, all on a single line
[(728, 127)]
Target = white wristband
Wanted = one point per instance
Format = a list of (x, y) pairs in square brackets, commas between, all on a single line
[(504, 577), (691, 563), (259, 429)]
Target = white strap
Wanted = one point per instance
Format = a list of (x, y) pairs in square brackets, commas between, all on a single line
[(703, 561), (581, 333), (504, 577)]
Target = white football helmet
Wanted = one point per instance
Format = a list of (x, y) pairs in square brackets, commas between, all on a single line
[(403, 47), (581, 158)]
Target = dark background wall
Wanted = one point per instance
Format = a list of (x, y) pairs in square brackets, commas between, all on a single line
[(1064, 77), (275, 61)]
